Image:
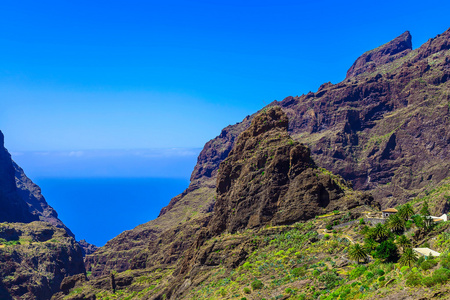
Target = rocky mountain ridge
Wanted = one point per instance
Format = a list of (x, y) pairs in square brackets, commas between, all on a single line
[(384, 129)]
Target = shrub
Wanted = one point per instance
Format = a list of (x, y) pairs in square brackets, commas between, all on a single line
[(361, 221), (257, 284), (369, 275), (404, 269), (288, 291), (330, 279), (441, 275), (381, 279), (379, 272), (445, 261), (413, 279), (329, 226), (428, 264), (247, 290), (428, 281), (298, 272)]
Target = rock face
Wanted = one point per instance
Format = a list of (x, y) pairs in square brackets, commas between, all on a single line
[(37, 205), (391, 51), (34, 259), (12, 207), (270, 179)]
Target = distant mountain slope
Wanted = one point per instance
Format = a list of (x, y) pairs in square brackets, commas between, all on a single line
[(384, 128)]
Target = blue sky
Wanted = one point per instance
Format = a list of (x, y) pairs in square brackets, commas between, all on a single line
[(77, 75)]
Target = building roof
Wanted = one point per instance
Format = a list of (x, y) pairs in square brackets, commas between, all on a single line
[(437, 220), (393, 210), (426, 251)]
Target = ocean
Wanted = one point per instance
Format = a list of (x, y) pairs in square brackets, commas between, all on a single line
[(98, 209)]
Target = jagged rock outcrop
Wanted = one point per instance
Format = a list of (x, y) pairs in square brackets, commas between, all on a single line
[(270, 179), (35, 258)]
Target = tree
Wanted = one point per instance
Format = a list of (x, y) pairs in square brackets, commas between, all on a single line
[(370, 244), (405, 211), (387, 251), (357, 253), (408, 257), (379, 233), (424, 211), (395, 223), (403, 242)]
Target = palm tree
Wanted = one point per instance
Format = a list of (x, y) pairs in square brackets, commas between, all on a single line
[(405, 211), (379, 233), (408, 257), (395, 223), (403, 242), (357, 253)]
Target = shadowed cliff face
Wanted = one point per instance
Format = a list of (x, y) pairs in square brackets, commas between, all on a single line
[(269, 178), (12, 207)]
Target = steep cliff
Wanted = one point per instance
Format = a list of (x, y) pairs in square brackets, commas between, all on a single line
[(12, 207)]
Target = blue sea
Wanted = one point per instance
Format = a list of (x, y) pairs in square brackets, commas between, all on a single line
[(98, 209)]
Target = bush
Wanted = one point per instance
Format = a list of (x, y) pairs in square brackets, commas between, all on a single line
[(428, 281), (381, 279), (379, 272), (247, 290), (441, 275), (329, 226), (298, 272), (369, 275), (257, 284), (445, 261), (404, 269), (413, 279), (428, 264), (330, 279), (361, 221)]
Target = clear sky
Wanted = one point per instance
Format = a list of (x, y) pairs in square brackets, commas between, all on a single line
[(78, 75)]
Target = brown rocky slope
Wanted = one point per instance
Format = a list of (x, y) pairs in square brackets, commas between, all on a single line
[(35, 258)]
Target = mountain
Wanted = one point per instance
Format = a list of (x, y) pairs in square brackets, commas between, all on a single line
[(384, 129), (265, 192)]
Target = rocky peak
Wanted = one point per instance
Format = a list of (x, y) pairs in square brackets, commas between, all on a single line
[(398, 47), (268, 178)]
